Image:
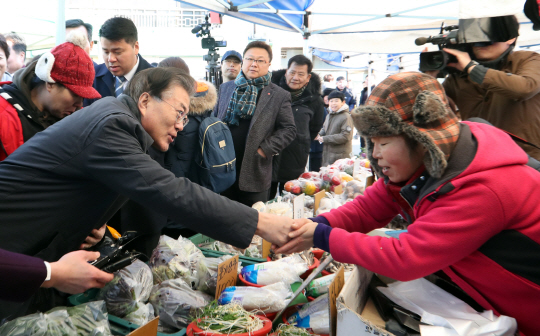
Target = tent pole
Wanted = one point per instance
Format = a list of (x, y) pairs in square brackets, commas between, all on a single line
[(368, 76), (61, 22), (285, 19)]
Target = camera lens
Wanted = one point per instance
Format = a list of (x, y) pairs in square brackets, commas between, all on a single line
[(436, 61)]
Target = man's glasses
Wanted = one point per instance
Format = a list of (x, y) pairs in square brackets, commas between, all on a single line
[(258, 61), (181, 117)]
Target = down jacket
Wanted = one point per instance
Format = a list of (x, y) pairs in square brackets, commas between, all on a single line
[(479, 223), (337, 134), (308, 112)]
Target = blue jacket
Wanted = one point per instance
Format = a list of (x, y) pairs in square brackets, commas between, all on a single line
[(104, 80)]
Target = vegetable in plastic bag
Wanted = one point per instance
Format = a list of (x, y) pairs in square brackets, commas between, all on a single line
[(320, 286), (142, 314), (129, 286), (352, 190), (207, 273), (287, 270), (269, 299), (90, 319), (56, 323), (174, 301), (313, 316), (170, 260)]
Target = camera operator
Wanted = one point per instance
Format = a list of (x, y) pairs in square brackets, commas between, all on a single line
[(499, 85)]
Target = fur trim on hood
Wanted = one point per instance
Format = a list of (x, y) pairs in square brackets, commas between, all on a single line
[(203, 101), (415, 105), (312, 88)]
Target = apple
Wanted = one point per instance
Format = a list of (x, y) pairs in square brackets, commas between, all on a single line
[(288, 186)]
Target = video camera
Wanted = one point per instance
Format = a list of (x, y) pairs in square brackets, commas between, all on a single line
[(213, 69), (438, 60), (470, 32)]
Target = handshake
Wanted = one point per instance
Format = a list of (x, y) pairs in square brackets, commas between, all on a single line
[(286, 235)]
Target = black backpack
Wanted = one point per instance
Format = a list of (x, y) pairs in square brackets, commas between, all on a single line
[(216, 159)]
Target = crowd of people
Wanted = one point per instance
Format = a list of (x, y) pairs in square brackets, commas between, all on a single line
[(84, 146)]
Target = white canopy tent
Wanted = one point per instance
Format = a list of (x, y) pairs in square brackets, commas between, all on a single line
[(361, 26)]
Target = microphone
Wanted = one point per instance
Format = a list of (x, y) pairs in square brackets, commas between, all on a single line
[(421, 41), (196, 29)]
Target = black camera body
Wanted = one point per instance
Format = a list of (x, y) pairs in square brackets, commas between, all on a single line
[(439, 60)]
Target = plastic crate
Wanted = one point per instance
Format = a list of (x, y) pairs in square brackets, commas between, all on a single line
[(199, 239)]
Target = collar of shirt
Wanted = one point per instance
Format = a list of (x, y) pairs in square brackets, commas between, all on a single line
[(132, 72)]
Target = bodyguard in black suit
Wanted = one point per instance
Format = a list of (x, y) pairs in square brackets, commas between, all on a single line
[(120, 48)]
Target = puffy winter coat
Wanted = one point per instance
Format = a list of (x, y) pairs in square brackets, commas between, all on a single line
[(337, 134), (308, 112), (479, 223)]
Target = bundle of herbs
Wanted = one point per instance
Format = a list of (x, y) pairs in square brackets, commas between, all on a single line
[(227, 319)]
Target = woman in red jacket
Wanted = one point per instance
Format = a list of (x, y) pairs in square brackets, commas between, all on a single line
[(465, 189)]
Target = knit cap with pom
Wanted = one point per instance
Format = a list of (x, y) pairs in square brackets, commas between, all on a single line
[(70, 66)]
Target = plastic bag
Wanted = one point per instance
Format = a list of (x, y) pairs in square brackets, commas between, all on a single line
[(344, 165), (56, 323), (331, 175), (142, 314), (287, 270), (328, 202), (320, 286), (351, 190), (280, 208), (90, 319), (293, 186), (169, 260), (269, 299), (174, 301), (446, 314), (207, 274), (313, 316), (129, 286)]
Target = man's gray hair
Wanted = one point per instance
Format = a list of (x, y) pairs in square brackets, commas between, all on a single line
[(156, 81)]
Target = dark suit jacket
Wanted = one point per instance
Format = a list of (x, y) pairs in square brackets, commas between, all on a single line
[(104, 80), (272, 128), (20, 275)]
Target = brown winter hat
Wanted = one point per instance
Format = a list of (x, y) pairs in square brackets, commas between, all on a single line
[(413, 104)]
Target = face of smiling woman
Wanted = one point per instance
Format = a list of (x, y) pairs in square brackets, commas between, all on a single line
[(396, 158)]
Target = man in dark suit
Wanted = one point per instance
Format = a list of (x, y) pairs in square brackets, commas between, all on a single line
[(120, 48), (261, 121)]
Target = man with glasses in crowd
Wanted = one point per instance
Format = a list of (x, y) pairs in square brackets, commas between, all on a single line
[(260, 118), (72, 177), (231, 62)]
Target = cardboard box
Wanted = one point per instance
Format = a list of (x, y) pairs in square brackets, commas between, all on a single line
[(356, 314)]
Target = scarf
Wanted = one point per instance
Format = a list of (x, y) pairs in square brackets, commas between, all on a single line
[(295, 95), (244, 98)]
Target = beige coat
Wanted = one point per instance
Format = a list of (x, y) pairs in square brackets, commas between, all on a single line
[(337, 133), (509, 98)]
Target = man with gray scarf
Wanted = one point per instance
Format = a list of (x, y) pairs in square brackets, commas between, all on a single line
[(260, 118)]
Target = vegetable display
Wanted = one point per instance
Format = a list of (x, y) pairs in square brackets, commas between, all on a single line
[(228, 319)]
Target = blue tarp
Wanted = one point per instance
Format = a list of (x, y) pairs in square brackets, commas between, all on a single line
[(330, 56), (271, 18)]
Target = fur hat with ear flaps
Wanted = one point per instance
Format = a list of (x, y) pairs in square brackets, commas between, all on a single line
[(412, 104)]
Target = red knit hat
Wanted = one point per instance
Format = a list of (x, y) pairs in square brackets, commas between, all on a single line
[(70, 66)]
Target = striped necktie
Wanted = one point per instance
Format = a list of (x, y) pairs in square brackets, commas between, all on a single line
[(119, 85)]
